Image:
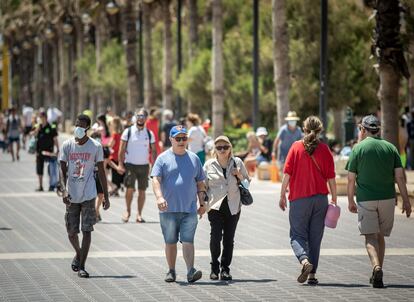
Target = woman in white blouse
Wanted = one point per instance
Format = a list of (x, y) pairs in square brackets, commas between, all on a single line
[(222, 174)]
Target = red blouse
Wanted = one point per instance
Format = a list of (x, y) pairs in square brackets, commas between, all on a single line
[(305, 178)]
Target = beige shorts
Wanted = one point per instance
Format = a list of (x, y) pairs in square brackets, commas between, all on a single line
[(376, 216)]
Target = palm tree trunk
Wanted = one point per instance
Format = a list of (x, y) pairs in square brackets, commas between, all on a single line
[(411, 79), (81, 90), (63, 76), (55, 75), (193, 36), (129, 33), (167, 78), (392, 64), (280, 59), (101, 36), (37, 76), (48, 74), (388, 95), (148, 70), (217, 69)]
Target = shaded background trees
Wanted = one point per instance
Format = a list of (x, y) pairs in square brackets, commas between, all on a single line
[(91, 54)]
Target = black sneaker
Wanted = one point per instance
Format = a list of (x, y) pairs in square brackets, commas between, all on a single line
[(40, 189), (377, 278), (225, 275), (171, 276), (214, 276), (194, 275)]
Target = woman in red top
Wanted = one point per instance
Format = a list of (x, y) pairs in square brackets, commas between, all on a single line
[(114, 142), (154, 125), (309, 167)]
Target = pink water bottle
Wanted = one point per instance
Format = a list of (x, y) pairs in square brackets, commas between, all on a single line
[(332, 216)]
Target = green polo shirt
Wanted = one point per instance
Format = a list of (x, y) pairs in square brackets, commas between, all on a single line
[(373, 161)]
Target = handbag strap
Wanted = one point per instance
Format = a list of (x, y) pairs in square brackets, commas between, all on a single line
[(235, 166), (316, 164)]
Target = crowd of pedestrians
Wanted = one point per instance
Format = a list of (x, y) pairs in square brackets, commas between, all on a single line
[(188, 181)]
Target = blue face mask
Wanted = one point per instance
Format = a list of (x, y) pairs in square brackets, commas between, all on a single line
[(79, 132)]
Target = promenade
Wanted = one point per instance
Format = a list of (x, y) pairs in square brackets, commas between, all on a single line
[(127, 262)]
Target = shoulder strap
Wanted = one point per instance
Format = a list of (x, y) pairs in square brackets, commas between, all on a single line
[(128, 136), (316, 164), (235, 166), (149, 138)]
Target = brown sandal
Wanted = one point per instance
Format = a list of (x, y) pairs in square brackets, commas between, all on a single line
[(125, 218), (306, 269)]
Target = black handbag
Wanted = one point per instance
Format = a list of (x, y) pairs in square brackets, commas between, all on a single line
[(245, 196)]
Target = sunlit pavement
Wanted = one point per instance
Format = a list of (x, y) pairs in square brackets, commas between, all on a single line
[(127, 262)]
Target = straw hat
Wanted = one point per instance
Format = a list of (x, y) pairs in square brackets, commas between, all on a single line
[(292, 116)]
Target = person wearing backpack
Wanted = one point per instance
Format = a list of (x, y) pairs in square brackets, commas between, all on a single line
[(137, 145), (13, 130)]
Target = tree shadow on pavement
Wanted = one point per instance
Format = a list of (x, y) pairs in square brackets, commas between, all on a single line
[(113, 277), (5, 229), (340, 285), (226, 283)]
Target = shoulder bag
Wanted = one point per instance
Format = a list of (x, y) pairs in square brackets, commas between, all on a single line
[(245, 196)]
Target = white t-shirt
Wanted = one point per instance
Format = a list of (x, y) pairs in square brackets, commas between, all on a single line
[(138, 146), (27, 116), (53, 114), (196, 135)]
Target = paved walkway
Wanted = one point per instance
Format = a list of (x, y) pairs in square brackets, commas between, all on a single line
[(127, 261)]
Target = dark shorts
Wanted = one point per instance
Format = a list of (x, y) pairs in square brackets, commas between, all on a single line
[(73, 215), (40, 162), (13, 139), (134, 173)]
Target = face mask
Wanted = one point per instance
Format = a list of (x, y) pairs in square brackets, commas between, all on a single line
[(79, 132), (292, 123)]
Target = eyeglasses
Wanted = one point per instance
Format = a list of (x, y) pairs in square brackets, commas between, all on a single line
[(141, 116), (219, 148), (181, 138)]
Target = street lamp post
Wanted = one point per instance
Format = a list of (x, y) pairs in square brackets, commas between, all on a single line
[(256, 117), (323, 63), (179, 54)]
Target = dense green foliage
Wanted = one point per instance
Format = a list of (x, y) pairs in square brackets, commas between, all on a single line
[(352, 78)]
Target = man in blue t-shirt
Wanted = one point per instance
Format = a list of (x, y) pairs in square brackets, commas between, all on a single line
[(177, 179)]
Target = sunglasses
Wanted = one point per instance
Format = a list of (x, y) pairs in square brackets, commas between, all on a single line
[(219, 148), (141, 116), (182, 138)]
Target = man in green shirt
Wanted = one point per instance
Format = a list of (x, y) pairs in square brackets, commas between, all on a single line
[(375, 166)]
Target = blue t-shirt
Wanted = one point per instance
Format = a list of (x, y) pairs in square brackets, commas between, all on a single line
[(287, 138), (179, 176)]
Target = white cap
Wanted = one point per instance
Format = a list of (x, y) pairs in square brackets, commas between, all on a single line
[(261, 131)]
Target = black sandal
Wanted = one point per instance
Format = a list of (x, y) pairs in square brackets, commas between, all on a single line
[(313, 281), (75, 264), (83, 274)]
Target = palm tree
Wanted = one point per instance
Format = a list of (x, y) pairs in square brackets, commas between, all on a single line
[(388, 49), (409, 17), (280, 59), (148, 69), (129, 33), (217, 68), (193, 37), (167, 78)]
